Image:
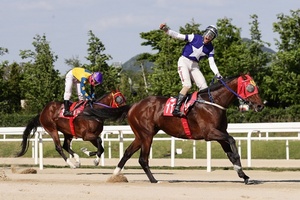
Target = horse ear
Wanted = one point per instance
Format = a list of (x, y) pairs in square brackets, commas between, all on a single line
[(243, 76)]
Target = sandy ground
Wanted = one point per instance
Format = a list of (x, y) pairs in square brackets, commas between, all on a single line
[(81, 183)]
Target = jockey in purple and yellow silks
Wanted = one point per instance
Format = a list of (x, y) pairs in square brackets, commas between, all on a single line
[(197, 47), (81, 77)]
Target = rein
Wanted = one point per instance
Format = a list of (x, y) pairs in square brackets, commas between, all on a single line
[(212, 100), (101, 104), (233, 92), (210, 103)]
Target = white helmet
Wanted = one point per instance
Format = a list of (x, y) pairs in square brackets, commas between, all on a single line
[(211, 32)]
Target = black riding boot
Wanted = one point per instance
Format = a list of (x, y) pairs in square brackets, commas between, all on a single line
[(176, 112), (67, 112)]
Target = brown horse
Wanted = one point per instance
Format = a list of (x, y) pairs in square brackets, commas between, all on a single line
[(206, 120), (86, 125)]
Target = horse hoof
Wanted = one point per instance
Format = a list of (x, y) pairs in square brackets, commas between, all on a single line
[(246, 181), (96, 162), (77, 164)]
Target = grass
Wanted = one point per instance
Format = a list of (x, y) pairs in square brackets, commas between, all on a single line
[(162, 149)]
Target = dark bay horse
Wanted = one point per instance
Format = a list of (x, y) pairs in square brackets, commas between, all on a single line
[(206, 121), (86, 126)]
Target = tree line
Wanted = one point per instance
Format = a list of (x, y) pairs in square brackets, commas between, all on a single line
[(277, 74)]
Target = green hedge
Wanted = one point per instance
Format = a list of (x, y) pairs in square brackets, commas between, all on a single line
[(290, 114), (15, 120)]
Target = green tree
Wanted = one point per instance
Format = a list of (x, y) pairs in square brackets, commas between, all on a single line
[(3, 51), (283, 80), (10, 92), (233, 55), (165, 80), (73, 62), (41, 82), (98, 62)]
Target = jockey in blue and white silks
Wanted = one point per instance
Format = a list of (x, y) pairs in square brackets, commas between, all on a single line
[(196, 48)]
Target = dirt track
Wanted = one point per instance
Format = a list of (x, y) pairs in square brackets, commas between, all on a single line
[(78, 184)]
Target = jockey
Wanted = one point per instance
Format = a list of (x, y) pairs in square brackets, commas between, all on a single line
[(196, 48), (81, 77)]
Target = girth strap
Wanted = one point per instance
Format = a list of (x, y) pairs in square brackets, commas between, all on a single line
[(186, 127)]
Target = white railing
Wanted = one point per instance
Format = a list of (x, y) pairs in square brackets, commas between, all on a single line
[(120, 131)]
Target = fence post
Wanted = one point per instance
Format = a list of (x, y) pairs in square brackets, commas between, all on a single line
[(208, 156), (121, 145), (240, 148), (102, 156), (249, 148), (41, 150), (194, 149), (287, 150), (35, 152), (172, 152)]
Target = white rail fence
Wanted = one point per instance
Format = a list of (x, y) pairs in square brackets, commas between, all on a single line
[(263, 130)]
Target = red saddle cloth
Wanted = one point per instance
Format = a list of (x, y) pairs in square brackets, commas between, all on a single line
[(170, 104), (76, 108), (169, 107)]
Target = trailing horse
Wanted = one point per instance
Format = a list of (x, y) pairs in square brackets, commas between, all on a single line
[(84, 125), (205, 120)]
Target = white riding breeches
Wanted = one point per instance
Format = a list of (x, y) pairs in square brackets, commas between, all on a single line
[(70, 80), (188, 70)]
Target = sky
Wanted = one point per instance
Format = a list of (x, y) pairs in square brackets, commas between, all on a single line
[(118, 23)]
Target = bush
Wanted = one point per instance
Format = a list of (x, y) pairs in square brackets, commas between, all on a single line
[(15, 120)]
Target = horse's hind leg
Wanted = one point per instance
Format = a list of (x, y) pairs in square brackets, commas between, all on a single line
[(67, 147), (232, 153), (97, 143)]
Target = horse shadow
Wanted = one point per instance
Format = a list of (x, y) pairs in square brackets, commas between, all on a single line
[(251, 182)]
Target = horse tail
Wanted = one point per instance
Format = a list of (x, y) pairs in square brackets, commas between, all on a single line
[(108, 113), (31, 126)]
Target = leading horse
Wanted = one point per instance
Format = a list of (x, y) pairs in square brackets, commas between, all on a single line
[(206, 120), (86, 126)]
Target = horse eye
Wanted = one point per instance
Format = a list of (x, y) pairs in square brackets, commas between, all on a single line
[(250, 88), (119, 99)]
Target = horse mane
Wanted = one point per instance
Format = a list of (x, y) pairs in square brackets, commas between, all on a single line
[(104, 95), (217, 85), (119, 113)]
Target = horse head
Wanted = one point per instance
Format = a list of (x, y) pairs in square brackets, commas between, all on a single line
[(114, 99), (247, 90)]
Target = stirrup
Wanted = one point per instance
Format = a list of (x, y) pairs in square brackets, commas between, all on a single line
[(177, 113), (68, 114)]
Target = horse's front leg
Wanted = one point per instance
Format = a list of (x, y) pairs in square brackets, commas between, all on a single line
[(144, 159), (232, 153), (131, 149)]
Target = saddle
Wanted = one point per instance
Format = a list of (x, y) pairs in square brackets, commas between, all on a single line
[(189, 102), (76, 108), (185, 107)]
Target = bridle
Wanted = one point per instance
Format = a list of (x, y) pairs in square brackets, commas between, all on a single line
[(117, 100), (246, 88)]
